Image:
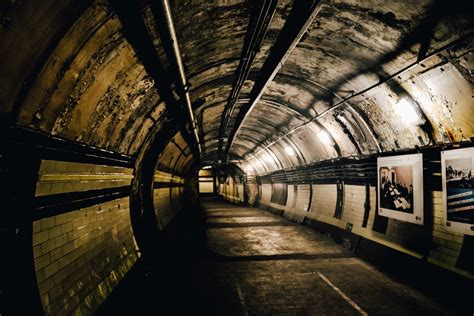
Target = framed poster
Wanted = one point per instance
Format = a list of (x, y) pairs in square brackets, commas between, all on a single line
[(457, 166), (400, 187)]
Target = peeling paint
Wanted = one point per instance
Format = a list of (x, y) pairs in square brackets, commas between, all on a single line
[(94, 89)]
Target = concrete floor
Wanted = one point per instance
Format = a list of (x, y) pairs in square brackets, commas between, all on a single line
[(257, 263), (275, 267)]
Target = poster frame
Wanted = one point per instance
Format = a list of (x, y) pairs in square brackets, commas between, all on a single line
[(416, 162), (450, 225)]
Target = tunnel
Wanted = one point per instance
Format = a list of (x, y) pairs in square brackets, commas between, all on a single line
[(235, 157)]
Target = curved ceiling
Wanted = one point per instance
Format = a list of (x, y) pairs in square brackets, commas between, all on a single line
[(276, 83)]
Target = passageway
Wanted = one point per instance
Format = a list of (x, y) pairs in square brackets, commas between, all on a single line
[(340, 131), (258, 263), (276, 267)]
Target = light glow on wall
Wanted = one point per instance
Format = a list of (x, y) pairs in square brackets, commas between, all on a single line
[(406, 110), (325, 138), (249, 169), (290, 151), (268, 158)]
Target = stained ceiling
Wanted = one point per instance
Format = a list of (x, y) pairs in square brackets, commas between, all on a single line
[(274, 83)]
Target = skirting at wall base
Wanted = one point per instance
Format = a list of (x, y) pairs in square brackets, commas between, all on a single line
[(446, 284), (421, 274)]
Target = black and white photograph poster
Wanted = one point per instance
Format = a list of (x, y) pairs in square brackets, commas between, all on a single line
[(458, 190), (400, 187)]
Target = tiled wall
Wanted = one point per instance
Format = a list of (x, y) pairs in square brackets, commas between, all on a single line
[(168, 200), (82, 254), (168, 184), (354, 200), (324, 200), (446, 244), (62, 176), (163, 209), (232, 191), (437, 245), (298, 202), (266, 196)]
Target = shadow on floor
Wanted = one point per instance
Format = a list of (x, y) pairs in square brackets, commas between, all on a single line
[(246, 261)]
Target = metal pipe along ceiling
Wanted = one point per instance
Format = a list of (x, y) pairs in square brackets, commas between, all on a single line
[(264, 14), (182, 76), (285, 53), (385, 80)]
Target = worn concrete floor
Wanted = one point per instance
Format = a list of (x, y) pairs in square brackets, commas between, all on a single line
[(257, 263), (274, 267)]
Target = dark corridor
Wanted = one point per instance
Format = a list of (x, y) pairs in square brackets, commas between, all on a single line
[(117, 116), (258, 263)]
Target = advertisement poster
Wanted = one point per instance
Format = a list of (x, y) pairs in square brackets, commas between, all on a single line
[(400, 187), (458, 193)]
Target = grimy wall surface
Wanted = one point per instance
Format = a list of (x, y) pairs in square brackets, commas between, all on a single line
[(108, 108), (80, 234), (86, 142), (348, 203), (81, 254)]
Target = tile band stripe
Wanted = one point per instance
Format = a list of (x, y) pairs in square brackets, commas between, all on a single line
[(55, 204)]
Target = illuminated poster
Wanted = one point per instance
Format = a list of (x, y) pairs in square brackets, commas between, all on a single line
[(458, 193), (400, 187)]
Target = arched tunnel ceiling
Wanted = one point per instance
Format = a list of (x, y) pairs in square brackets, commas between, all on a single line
[(69, 69)]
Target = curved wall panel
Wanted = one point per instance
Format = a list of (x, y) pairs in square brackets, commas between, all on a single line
[(83, 242), (351, 209)]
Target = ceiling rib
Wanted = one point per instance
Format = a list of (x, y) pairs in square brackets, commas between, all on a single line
[(298, 22), (385, 80), (261, 17), (360, 117), (305, 118), (134, 29)]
